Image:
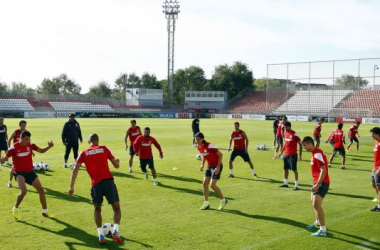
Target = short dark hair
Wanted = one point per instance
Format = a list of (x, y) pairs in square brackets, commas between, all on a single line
[(307, 139), (278, 117), (93, 138), (358, 123), (21, 122), (133, 121), (322, 119), (375, 130), (147, 128), (71, 115), (26, 133), (340, 125), (288, 124), (236, 123), (200, 135), (198, 115), (284, 118)]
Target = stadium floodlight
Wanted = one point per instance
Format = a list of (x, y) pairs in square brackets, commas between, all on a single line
[(375, 67), (171, 10)]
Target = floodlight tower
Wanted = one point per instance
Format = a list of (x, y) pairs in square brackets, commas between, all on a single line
[(375, 67), (171, 10)]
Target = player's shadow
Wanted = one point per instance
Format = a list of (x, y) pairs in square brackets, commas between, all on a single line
[(351, 196), (280, 220), (357, 244), (63, 196), (46, 173), (190, 191), (358, 159), (85, 238), (179, 178), (262, 179), (119, 174)]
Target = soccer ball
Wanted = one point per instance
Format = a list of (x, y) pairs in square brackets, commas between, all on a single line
[(42, 165), (36, 167), (47, 167), (198, 157), (107, 229), (72, 166)]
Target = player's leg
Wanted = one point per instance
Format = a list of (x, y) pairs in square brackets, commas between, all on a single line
[(153, 170), (131, 156), (218, 191), (343, 153), (206, 191), (116, 219), (293, 167), (376, 186), (357, 143), (319, 214), (332, 156), (349, 145), (41, 192), (274, 140), (67, 153), (10, 178), (230, 163), (286, 172), (75, 150), (23, 190), (247, 159)]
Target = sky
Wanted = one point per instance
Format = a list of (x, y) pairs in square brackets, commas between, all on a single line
[(97, 40)]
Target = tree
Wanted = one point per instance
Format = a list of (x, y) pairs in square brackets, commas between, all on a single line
[(18, 87), (261, 84), (232, 79), (149, 81), (102, 89), (3, 87), (59, 85), (348, 81)]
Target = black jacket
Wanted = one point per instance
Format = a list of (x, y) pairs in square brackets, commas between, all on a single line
[(71, 132)]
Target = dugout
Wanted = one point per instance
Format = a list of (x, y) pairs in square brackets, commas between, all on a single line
[(144, 97), (205, 100)]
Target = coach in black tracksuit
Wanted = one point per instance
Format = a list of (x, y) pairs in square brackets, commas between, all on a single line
[(70, 134)]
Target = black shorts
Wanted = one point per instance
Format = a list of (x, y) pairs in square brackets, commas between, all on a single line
[(322, 190), (317, 138), (242, 153), (280, 140), (375, 178), (275, 133), (144, 162), (131, 152), (28, 176), (3, 146), (341, 151), (290, 162), (210, 172), (354, 138), (105, 188)]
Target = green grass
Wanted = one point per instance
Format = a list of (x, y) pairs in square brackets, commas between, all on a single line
[(259, 215)]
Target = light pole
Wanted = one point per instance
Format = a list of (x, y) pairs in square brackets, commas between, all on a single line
[(375, 67), (171, 10)]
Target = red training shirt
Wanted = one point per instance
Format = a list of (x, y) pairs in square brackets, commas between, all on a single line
[(143, 146), (317, 129), (209, 152), (353, 131), (239, 139), (133, 133), (22, 156), (376, 155), (96, 160), (337, 136), (291, 142), (318, 159), (280, 129), (17, 136)]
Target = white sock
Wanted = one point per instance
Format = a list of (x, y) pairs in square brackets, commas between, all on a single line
[(100, 231), (206, 202), (223, 200), (231, 171), (317, 222), (378, 205), (15, 208), (115, 228), (253, 171), (296, 183), (323, 228), (45, 210), (286, 181), (275, 155), (154, 179)]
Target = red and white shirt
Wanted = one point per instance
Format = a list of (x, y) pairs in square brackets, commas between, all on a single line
[(22, 156), (239, 139), (143, 146), (317, 129), (17, 136), (210, 153), (96, 160), (353, 131), (337, 136), (291, 142), (376, 155), (133, 133), (319, 159), (280, 129)]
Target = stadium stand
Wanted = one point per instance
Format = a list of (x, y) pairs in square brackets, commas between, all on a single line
[(15, 104), (363, 99), (313, 102), (79, 106), (256, 102)]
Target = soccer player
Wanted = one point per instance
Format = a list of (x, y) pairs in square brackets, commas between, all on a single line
[(133, 132), (21, 153), (376, 170), (317, 132), (321, 183), (275, 126), (339, 139), (213, 172), (3, 136), (240, 139), (96, 160), (16, 137), (71, 132), (280, 137), (195, 127), (143, 148), (352, 134), (291, 157)]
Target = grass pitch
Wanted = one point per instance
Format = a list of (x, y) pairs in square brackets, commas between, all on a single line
[(259, 215)]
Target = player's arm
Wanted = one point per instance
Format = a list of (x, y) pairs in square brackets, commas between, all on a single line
[(330, 137), (136, 145), (73, 178), (3, 159), (203, 163), (10, 139), (63, 135), (300, 149), (126, 139), (229, 145), (322, 176), (80, 133), (43, 150), (246, 141), (115, 163), (220, 157), (282, 150), (155, 143)]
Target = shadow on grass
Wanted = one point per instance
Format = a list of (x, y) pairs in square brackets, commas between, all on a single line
[(63, 196), (263, 179), (190, 191), (280, 220), (120, 174), (85, 238), (179, 178), (362, 241), (351, 196)]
